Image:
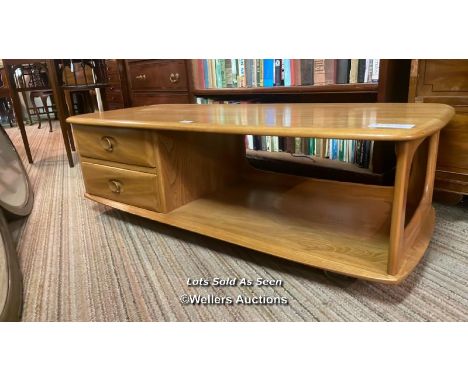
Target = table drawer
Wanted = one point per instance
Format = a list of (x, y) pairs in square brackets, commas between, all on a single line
[(121, 185), (129, 146), (158, 75)]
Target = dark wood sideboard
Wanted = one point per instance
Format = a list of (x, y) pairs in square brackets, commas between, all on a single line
[(446, 81)]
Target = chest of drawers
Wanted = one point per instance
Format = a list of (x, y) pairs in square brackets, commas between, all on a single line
[(158, 81)]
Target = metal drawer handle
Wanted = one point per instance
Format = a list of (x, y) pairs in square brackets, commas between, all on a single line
[(115, 186), (108, 143), (141, 77), (174, 77)]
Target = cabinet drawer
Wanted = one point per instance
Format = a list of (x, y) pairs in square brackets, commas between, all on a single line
[(146, 99), (129, 146), (112, 66), (113, 76), (125, 186), (115, 105), (112, 97), (158, 75)]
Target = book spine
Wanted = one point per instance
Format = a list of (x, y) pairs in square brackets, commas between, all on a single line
[(228, 72), (287, 72), (330, 72), (375, 70), (274, 144), (281, 143), (250, 142), (268, 72), (277, 78), (264, 143), (319, 72), (368, 70), (353, 71), (248, 72), (293, 72), (257, 142), (268, 143), (207, 74), (253, 64), (289, 144), (223, 73), (361, 70), (241, 80), (307, 72), (297, 145), (342, 71), (234, 73), (298, 70), (260, 73), (311, 146)]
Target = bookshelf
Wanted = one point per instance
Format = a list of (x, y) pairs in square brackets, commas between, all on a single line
[(389, 85)]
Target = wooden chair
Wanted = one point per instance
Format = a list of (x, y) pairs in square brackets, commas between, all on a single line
[(37, 76), (80, 81), (43, 95), (6, 108)]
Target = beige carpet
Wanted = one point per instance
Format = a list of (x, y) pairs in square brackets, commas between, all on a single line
[(84, 262)]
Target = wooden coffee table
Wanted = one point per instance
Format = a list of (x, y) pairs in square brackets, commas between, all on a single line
[(184, 165)]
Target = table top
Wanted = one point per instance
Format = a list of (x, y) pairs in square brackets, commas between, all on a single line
[(372, 121)]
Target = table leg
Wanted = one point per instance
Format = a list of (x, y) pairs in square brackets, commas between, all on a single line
[(414, 185)]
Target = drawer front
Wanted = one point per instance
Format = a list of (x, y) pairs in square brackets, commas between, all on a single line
[(158, 75), (125, 186), (115, 105), (112, 66), (443, 77), (113, 78), (146, 99), (112, 97), (453, 145), (129, 146)]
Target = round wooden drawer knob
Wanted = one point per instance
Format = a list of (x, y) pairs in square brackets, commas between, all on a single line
[(115, 186), (108, 143)]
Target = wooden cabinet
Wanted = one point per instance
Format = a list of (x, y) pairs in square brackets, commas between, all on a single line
[(116, 93), (446, 81), (158, 81)]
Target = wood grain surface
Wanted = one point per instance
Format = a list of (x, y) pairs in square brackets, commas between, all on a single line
[(346, 121)]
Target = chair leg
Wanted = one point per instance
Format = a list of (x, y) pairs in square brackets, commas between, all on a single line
[(46, 108), (36, 111)]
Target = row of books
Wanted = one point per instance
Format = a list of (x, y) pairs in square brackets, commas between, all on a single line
[(245, 73), (345, 150), (358, 152)]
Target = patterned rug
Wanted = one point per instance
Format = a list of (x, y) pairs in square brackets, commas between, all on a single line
[(85, 262)]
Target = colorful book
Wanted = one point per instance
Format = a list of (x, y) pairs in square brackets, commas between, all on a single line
[(277, 73), (268, 72), (241, 76), (287, 72)]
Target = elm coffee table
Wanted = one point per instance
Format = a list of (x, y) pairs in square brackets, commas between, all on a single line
[(184, 165)]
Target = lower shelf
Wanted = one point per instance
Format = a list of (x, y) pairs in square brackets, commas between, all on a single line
[(341, 227)]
